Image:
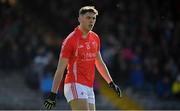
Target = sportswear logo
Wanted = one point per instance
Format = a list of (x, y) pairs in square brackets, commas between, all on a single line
[(87, 45)]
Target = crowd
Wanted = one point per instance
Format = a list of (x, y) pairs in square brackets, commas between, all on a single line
[(139, 41)]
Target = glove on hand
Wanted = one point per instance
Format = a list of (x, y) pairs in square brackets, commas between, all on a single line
[(50, 101), (115, 88)]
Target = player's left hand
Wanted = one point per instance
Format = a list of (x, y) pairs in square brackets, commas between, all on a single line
[(115, 88)]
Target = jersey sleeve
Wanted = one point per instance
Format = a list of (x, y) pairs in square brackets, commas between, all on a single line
[(66, 48), (98, 42)]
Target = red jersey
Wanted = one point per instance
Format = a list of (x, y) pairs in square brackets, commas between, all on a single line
[(81, 54)]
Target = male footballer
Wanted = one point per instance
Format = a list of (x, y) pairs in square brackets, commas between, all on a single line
[(80, 53)]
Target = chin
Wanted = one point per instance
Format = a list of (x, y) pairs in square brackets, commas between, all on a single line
[(89, 29)]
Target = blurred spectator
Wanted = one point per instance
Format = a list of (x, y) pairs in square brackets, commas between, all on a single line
[(127, 54), (46, 82), (42, 59), (176, 87), (136, 77), (164, 88), (32, 79), (109, 52)]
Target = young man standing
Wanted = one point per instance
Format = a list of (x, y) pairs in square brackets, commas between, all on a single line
[(80, 53)]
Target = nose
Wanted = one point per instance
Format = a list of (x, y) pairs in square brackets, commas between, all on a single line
[(92, 20)]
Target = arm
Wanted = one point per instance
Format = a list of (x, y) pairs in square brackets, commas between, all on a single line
[(66, 52), (101, 67), (59, 74), (50, 101)]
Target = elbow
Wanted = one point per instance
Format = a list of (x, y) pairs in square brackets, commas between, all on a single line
[(99, 65)]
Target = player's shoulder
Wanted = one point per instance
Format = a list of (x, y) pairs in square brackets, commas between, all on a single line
[(70, 37), (94, 34)]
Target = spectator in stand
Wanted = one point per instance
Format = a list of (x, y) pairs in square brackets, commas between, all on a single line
[(176, 87), (164, 87), (137, 77)]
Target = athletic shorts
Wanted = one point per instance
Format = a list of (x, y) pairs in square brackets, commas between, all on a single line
[(78, 91)]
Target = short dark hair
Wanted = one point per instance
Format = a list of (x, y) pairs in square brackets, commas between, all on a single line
[(86, 9)]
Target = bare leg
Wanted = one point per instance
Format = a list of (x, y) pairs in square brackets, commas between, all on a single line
[(79, 104), (92, 107)]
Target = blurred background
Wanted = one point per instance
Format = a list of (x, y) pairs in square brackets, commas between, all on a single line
[(139, 44)]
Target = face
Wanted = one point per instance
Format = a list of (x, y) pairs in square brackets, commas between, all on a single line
[(87, 21)]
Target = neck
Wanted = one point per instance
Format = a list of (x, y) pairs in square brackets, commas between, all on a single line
[(85, 32)]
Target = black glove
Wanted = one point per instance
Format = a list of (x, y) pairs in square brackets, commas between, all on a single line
[(115, 88), (50, 101)]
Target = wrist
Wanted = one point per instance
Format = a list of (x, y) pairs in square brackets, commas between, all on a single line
[(52, 96), (111, 84)]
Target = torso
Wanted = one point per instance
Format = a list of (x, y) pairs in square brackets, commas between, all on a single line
[(81, 63)]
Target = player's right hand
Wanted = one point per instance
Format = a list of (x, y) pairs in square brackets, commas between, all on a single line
[(50, 102)]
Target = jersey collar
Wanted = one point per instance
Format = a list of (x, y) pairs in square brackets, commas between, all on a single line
[(80, 33)]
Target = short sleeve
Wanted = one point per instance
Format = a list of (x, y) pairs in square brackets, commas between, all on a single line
[(66, 48), (98, 41)]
